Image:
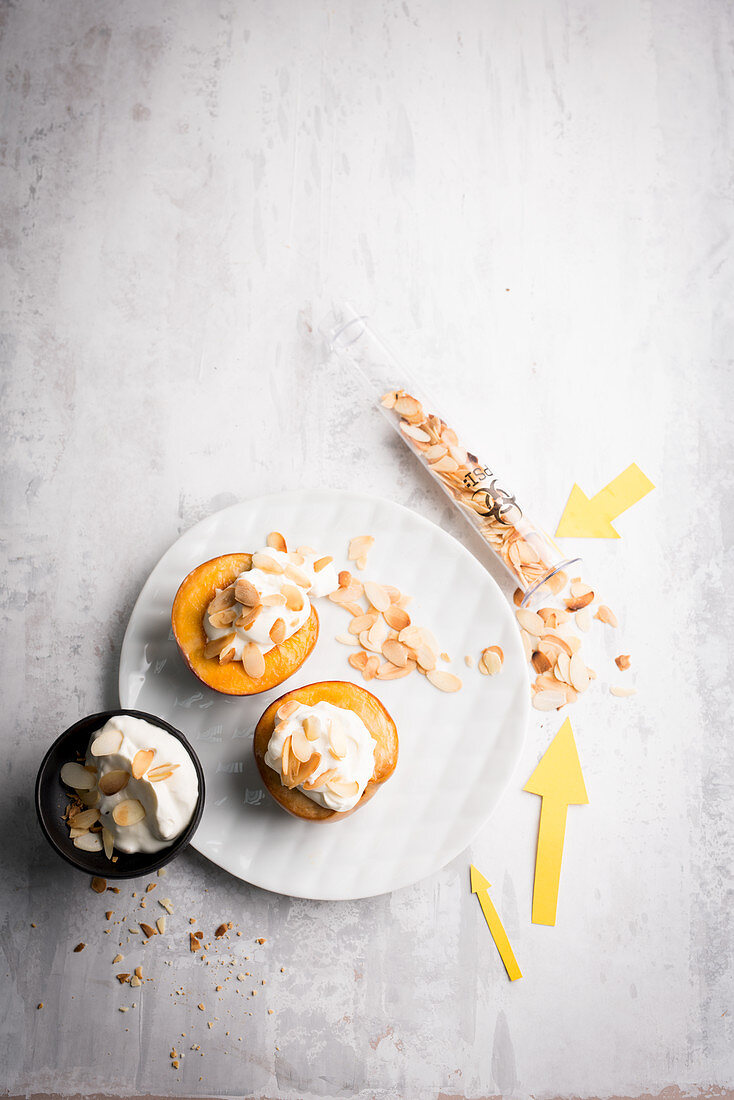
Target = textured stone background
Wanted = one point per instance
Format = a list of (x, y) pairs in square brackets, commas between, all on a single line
[(534, 202)]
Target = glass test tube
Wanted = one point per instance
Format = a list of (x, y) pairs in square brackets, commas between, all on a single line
[(530, 556)]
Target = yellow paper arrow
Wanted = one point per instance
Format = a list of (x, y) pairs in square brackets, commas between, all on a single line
[(559, 782), (480, 887), (590, 518)]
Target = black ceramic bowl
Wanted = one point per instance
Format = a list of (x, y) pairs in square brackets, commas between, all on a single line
[(52, 799)]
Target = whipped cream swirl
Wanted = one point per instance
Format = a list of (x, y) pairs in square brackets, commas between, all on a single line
[(168, 795), (344, 745), (277, 601)]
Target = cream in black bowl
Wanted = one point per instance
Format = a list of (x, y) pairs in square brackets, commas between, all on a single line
[(142, 778)]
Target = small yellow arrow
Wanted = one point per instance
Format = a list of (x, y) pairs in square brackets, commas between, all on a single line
[(480, 887), (591, 518), (559, 782)]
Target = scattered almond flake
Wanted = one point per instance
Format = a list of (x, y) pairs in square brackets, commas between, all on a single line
[(444, 681), (578, 673), (359, 547), (138, 971), (622, 662), (167, 905), (79, 947), (576, 603), (99, 885), (39, 1005), (622, 692), (541, 662), (148, 930), (370, 668), (377, 595), (241, 977), (150, 886), (492, 659), (347, 639), (201, 1008), (605, 615), (221, 930), (261, 941), (117, 959), (549, 700), (530, 621), (122, 978), (161, 925), (583, 619), (445, 657), (122, 1008), (469, 661), (276, 542), (135, 982), (194, 944), (134, 931), (578, 588)]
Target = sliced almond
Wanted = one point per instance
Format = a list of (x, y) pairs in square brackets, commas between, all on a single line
[(337, 742), (578, 673), (358, 660), (541, 662), (605, 615), (84, 819), (129, 812), (297, 575), (377, 635), (248, 618), (160, 925), (287, 709), (294, 597), (425, 657), (301, 745), (148, 930), (359, 546), (408, 406), (388, 400), (276, 599), (222, 600), (112, 782), (562, 670), (285, 757), (395, 652), (141, 762), (362, 622), (620, 692), (622, 662), (222, 619), (576, 603), (217, 645), (108, 843), (161, 771), (276, 542), (389, 671), (444, 681), (88, 842), (89, 798), (377, 595), (253, 661), (107, 743), (246, 593), (307, 770), (311, 727), (76, 776), (277, 631), (578, 588), (370, 669), (396, 617), (346, 639), (414, 432), (557, 582), (321, 563), (583, 619), (549, 700), (267, 563), (321, 780), (346, 788), (530, 621)]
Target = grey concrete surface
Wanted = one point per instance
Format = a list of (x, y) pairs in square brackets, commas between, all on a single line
[(535, 202)]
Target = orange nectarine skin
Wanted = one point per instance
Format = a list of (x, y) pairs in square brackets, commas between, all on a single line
[(340, 693), (189, 607)]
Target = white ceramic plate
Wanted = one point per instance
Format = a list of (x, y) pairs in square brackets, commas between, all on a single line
[(457, 752)]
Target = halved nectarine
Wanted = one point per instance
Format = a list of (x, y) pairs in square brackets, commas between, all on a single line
[(187, 617), (340, 693)]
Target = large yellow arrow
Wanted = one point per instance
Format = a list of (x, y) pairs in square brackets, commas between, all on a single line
[(559, 782), (590, 518), (480, 887)]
